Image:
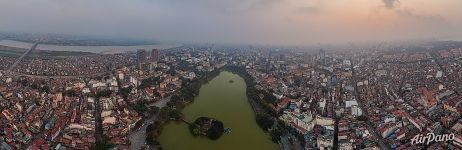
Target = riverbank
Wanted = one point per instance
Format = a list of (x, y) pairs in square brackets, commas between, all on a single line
[(17, 52), (91, 49)]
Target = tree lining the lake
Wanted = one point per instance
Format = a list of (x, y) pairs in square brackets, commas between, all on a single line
[(190, 90), (177, 102), (266, 115), (208, 127)]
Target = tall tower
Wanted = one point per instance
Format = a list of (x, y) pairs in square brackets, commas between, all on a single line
[(322, 56), (154, 59), (154, 55), (140, 57)]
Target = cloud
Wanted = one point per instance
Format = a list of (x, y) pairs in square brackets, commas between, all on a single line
[(410, 13), (308, 9), (231, 21), (390, 4)]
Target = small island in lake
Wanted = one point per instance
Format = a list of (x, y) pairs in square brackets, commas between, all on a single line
[(209, 127)]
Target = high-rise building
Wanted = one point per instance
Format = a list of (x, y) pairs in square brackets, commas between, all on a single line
[(154, 55), (140, 57), (322, 56)]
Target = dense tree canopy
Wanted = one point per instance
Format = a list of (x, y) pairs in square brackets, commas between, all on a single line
[(264, 121)]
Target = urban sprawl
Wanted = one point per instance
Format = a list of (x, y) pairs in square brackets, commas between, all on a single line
[(323, 99)]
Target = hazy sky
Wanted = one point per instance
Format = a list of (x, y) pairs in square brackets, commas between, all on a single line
[(301, 22)]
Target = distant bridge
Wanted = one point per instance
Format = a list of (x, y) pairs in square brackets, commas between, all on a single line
[(22, 56)]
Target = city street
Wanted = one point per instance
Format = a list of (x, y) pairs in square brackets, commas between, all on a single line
[(138, 137)]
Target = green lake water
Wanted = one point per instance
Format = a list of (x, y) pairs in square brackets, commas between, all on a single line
[(228, 103)]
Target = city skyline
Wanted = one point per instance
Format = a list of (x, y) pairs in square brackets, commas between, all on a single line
[(231, 74), (269, 22)]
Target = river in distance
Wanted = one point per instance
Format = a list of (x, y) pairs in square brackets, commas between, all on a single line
[(92, 49), (228, 103)]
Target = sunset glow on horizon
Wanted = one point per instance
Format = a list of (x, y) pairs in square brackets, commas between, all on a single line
[(300, 22)]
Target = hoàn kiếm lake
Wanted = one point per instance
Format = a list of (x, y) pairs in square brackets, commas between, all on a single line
[(228, 103)]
